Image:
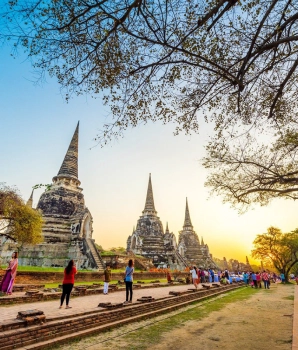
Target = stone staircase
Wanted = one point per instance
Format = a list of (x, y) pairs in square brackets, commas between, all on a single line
[(181, 259), (141, 264), (96, 255)]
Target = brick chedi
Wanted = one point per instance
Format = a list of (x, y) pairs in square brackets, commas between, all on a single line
[(63, 206), (67, 228), (149, 239), (189, 245)]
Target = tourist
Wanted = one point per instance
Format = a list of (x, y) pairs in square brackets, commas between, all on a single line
[(216, 275), (169, 277), (206, 273), (227, 276), (282, 277), (211, 279), (265, 278), (245, 278), (258, 277), (199, 273), (69, 272), (254, 280), (274, 277), (202, 275), (107, 274), (8, 279), (296, 279), (194, 275), (269, 279), (224, 279), (128, 281), (212, 275), (199, 276)]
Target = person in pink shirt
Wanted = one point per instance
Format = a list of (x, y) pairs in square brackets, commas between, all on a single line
[(8, 279), (258, 276), (265, 278)]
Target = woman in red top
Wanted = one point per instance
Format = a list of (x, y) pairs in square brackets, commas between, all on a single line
[(68, 282)]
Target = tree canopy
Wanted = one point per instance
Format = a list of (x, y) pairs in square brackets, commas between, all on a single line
[(231, 63), (281, 249), (245, 172), (18, 221)]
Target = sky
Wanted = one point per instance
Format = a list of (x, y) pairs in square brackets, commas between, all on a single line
[(37, 125)]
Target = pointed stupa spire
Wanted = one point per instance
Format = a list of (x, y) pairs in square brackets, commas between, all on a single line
[(149, 204), (69, 167), (167, 228), (187, 221), (30, 200), (202, 241)]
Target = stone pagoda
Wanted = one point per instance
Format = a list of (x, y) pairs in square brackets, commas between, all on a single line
[(67, 228), (149, 240), (189, 245)]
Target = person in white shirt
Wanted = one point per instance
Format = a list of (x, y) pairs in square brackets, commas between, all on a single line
[(194, 275)]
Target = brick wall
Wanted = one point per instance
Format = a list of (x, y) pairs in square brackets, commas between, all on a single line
[(53, 277)]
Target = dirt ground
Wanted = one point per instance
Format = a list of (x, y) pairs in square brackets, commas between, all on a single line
[(263, 321)]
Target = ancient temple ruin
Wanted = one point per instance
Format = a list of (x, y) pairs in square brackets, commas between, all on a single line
[(149, 240), (67, 228), (190, 247)]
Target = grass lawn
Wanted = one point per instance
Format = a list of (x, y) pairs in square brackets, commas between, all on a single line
[(53, 269), (41, 269), (57, 269), (140, 339)]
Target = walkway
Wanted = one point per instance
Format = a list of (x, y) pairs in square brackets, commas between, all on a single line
[(85, 303)]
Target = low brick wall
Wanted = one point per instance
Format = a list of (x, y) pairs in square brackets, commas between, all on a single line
[(53, 277)]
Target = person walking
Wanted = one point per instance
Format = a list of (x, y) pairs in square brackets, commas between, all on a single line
[(258, 277), (212, 275), (254, 279), (128, 281), (265, 278), (282, 277), (68, 281), (107, 275), (227, 276), (245, 278), (8, 279), (202, 275), (194, 275)]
